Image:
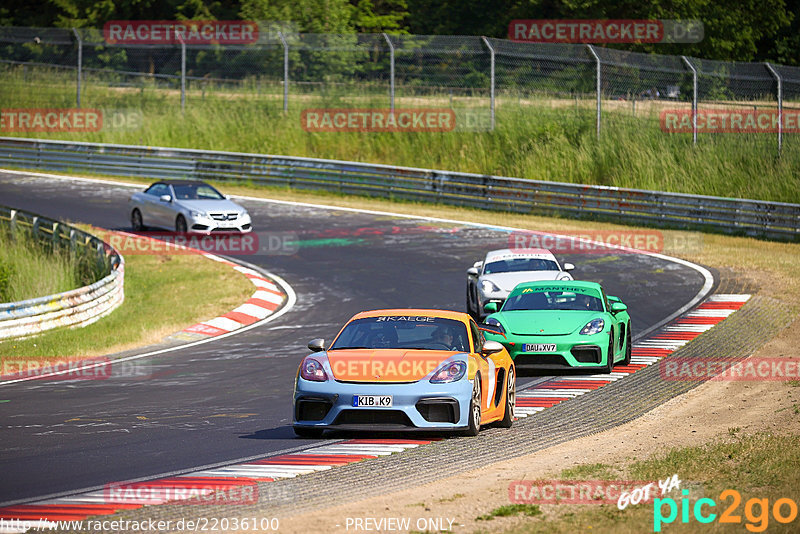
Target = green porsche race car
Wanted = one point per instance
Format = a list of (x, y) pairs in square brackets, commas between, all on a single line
[(558, 325)]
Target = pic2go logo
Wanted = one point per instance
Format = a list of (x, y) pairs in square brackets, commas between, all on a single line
[(756, 511)]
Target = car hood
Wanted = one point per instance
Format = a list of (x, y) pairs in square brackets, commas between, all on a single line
[(208, 206), (385, 365), (508, 281), (545, 322)]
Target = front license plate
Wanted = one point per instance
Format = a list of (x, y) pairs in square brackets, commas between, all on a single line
[(540, 347), (360, 401), (226, 224)]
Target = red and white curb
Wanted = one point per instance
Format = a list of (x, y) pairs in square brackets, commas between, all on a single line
[(44, 514), (644, 353), (207, 482), (268, 298)]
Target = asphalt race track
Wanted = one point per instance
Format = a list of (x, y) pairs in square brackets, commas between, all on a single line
[(231, 398)]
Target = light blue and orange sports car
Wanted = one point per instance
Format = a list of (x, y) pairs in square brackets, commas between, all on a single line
[(405, 369)]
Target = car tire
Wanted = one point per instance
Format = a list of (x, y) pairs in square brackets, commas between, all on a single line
[(610, 357), (628, 347), (511, 400), (306, 432), (470, 309), (136, 221), (474, 409), (180, 225)]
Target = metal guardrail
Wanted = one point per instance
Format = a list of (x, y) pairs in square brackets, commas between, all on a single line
[(78, 307), (773, 220)]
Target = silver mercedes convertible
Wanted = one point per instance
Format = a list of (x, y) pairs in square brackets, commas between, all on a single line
[(187, 206)]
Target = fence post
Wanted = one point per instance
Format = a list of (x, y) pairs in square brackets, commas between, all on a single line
[(391, 71), (285, 72), (694, 97), (183, 72), (599, 87), (491, 77), (80, 64), (780, 105)]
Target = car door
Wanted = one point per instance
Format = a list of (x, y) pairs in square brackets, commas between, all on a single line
[(162, 212), (148, 206), (488, 372), (615, 325)]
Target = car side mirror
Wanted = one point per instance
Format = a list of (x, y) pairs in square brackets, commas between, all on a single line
[(490, 307), (317, 344), (491, 347), (568, 267), (617, 307), (472, 271), (165, 198)]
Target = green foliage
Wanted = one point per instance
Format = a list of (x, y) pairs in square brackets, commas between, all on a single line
[(750, 30), (529, 510), (31, 268), (537, 137), (6, 272)]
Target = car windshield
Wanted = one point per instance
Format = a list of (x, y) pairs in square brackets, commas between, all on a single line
[(553, 301), (515, 265), (196, 192), (403, 332)]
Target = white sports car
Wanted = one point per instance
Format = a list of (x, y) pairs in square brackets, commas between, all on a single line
[(187, 206), (492, 279)]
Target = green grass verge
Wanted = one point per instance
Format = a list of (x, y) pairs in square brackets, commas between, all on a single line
[(29, 269), (163, 294), (758, 466), (547, 139)]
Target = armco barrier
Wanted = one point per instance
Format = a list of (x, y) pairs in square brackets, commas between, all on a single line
[(78, 307), (774, 220)]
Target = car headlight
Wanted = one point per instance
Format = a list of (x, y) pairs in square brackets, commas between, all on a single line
[(487, 286), (595, 326), (496, 324), (312, 370), (449, 372), (565, 276), (197, 214)]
